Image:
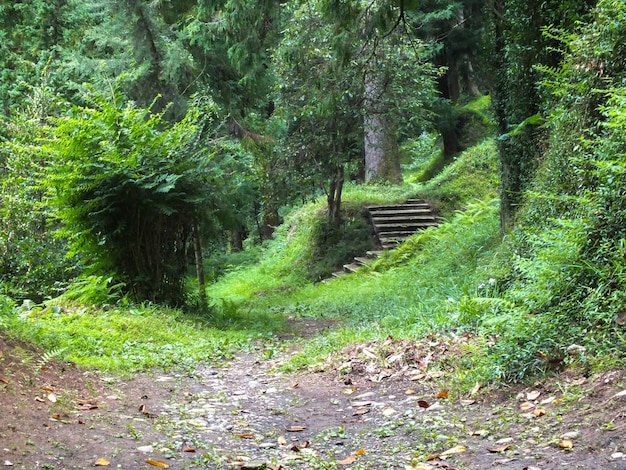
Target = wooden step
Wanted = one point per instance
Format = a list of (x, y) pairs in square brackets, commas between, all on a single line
[(401, 213), (351, 268), (400, 210), (362, 261), (405, 226), (402, 218)]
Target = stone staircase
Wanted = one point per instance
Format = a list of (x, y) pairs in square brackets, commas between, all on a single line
[(392, 225)]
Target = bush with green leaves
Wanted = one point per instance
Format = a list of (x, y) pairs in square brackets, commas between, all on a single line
[(132, 190), (33, 262)]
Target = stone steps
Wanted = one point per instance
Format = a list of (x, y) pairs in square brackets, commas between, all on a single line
[(392, 225)]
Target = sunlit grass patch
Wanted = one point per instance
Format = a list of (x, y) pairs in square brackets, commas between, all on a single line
[(132, 339)]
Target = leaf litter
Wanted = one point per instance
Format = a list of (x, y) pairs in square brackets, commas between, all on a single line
[(201, 421)]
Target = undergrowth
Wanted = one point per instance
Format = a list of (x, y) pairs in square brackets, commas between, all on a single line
[(134, 338)]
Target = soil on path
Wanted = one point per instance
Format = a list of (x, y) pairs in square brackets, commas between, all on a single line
[(370, 408)]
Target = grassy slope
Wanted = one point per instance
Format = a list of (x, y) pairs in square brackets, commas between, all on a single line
[(410, 292)]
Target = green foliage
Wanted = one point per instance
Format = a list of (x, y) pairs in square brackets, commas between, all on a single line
[(471, 176), (335, 245), (564, 287), (129, 189), (520, 50), (92, 290), (134, 338), (33, 263)]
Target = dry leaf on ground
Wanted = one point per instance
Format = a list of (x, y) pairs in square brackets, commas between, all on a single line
[(500, 449), (530, 396), (539, 411), (454, 450), (157, 463)]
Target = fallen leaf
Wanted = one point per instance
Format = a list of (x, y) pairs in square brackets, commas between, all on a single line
[(3, 379), (157, 463), (566, 444), (532, 468), (500, 449), (423, 404), (245, 435), (361, 411), (189, 450), (274, 467), (474, 391), (505, 461), (369, 353), (348, 391), (348, 460), (467, 402), (419, 466), (435, 407), (6, 462), (281, 441), (295, 428), (621, 318), (443, 394), (547, 400), (47, 389), (417, 377), (359, 404), (435, 374), (388, 411), (530, 396), (52, 398), (410, 391), (361, 451), (539, 411), (480, 433), (526, 406), (454, 450), (40, 400), (102, 463)]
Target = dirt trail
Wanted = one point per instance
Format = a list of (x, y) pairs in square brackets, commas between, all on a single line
[(243, 414)]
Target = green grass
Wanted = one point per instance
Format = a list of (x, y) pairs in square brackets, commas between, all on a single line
[(410, 291), (132, 339)]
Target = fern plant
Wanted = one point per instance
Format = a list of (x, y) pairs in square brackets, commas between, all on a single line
[(131, 188)]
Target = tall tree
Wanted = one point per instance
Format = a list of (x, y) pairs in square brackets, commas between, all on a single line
[(520, 47)]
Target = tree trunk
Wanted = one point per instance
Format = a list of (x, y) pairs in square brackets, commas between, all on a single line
[(454, 88), (271, 220), (197, 248), (236, 239), (333, 197), (469, 77), (382, 156)]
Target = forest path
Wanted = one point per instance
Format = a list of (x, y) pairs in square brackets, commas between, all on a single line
[(370, 408)]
